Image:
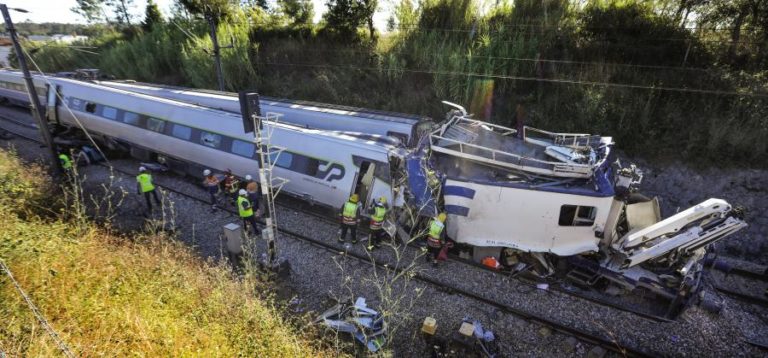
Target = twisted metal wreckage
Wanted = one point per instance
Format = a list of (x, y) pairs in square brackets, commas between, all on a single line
[(560, 203)]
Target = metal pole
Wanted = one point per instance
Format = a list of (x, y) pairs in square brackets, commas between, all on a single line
[(37, 109), (266, 192), (216, 51)]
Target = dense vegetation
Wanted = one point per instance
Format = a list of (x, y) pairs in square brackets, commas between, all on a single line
[(667, 79), (121, 296)]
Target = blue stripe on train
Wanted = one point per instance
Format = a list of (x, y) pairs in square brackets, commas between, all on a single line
[(459, 191), (457, 210)]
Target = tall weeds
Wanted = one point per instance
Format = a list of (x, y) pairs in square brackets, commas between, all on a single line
[(497, 62)]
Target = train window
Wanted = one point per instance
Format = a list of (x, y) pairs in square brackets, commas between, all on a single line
[(90, 107), (282, 159), (400, 136), (76, 104), (305, 165), (155, 125), (242, 148), (181, 132), (131, 118), (210, 139), (572, 215)]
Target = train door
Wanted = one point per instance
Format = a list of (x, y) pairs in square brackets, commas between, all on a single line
[(51, 104), (364, 181)]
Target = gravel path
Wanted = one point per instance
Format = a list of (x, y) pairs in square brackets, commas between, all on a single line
[(318, 276)]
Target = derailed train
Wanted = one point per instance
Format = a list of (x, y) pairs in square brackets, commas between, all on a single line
[(549, 203), (322, 167)]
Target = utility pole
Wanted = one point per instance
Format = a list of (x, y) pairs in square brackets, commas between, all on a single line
[(37, 109), (216, 49)]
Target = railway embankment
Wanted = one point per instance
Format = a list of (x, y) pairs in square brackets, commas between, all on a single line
[(680, 186), (117, 295)]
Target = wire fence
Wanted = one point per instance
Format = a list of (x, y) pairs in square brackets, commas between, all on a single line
[(40, 318)]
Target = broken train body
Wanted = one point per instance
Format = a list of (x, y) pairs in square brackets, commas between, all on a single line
[(560, 204)]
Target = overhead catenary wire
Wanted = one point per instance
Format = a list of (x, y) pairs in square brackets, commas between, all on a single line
[(185, 32), (36, 312), (492, 30), (548, 25), (533, 79)]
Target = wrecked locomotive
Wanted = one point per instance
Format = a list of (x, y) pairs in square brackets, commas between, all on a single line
[(561, 205)]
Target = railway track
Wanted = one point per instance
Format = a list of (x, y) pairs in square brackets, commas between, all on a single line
[(607, 343), (760, 299)]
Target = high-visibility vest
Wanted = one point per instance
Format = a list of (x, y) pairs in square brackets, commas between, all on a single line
[(244, 213), (435, 229), (350, 213), (379, 213), (145, 181), (66, 163)]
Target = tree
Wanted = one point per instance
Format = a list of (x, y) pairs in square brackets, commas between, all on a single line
[(744, 18), (152, 16), (367, 9), (121, 8), (344, 17), (215, 8), (253, 3), (300, 11), (91, 10)]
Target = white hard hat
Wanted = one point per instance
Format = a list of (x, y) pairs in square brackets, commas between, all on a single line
[(248, 177), (142, 169), (206, 172), (242, 192)]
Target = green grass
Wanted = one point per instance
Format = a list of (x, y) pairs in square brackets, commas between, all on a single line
[(124, 296)]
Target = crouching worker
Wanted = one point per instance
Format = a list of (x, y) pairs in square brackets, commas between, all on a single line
[(65, 161), (436, 238), (66, 164), (144, 185), (378, 214), (245, 209), (350, 216)]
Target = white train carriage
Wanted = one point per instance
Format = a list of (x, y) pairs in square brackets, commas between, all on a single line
[(406, 127), (321, 166), (13, 89)]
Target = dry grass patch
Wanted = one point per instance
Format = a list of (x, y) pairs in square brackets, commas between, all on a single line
[(105, 295)]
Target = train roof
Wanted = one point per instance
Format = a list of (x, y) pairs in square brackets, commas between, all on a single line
[(480, 152), (288, 103), (233, 123)]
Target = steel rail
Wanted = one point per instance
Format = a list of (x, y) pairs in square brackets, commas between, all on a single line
[(742, 296), (606, 343)]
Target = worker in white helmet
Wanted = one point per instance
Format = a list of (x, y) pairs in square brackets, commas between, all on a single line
[(211, 184), (145, 185), (245, 210)]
